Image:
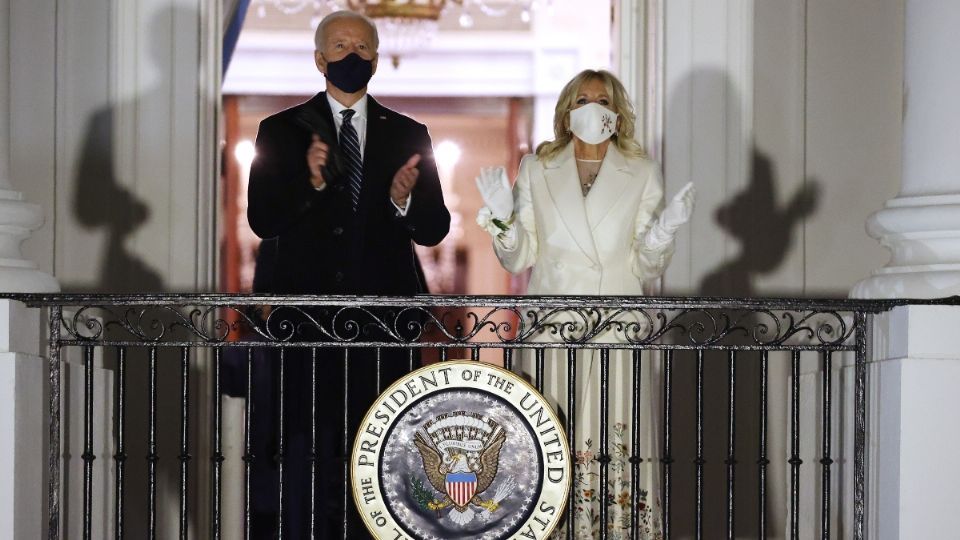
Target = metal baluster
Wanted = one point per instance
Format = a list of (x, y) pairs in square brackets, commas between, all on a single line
[(379, 368), (54, 449), (571, 427), (281, 448), (699, 461), (860, 425), (508, 358), (248, 456), (635, 458), (346, 441), (826, 461), (184, 456), (412, 361), (539, 369), (88, 455), (152, 445), (795, 460), (458, 333), (604, 457), (667, 459), (120, 458), (731, 460), (313, 436), (475, 354), (217, 458), (762, 460)]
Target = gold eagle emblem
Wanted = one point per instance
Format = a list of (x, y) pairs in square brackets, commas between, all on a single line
[(460, 453)]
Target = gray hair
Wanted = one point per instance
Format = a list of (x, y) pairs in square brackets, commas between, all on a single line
[(344, 14)]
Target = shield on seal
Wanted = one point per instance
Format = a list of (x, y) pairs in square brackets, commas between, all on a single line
[(461, 486)]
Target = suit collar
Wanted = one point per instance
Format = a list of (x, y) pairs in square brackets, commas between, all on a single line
[(563, 184), (583, 215), (612, 179), (374, 173), (614, 158), (359, 108), (319, 102), (373, 107), (373, 147)]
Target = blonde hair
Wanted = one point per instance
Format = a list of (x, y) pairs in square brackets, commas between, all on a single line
[(619, 103)]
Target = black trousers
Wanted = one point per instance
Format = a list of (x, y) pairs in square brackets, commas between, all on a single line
[(326, 393)]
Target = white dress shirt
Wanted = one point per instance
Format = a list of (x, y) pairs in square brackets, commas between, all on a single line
[(359, 122)]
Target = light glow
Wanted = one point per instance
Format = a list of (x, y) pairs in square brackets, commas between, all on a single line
[(245, 152), (447, 154)]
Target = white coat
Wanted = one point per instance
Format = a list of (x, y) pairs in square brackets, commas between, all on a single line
[(589, 245)]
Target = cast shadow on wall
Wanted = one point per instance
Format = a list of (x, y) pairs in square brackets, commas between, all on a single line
[(765, 230), (102, 202), (105, 202)]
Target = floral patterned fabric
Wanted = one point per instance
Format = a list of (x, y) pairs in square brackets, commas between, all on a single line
[(586, 495)]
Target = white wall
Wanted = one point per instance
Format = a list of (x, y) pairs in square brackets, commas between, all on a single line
[(805, 95), (113, 116), (787, 116), (113, 104)]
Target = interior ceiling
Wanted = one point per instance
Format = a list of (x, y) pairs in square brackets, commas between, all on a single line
[(273, 20)]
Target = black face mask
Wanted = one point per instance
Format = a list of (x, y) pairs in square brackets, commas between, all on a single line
[(350, 73)]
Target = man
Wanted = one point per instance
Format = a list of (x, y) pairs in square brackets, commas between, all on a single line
[(337, 233), (346, 186)]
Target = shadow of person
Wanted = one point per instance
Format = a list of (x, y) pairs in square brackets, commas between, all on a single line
[(102, 201), (764, 230), (105, 200)]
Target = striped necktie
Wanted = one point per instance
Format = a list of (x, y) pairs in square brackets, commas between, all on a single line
[(350, 144)]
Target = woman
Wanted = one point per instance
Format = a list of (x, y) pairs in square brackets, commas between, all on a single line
[(584, 214)]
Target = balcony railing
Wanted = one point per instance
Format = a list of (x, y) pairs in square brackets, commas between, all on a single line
[(154, 369)]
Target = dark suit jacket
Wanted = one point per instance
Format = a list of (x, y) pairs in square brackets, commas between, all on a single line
[(323, 246)]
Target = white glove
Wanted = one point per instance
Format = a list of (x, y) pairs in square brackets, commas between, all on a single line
[(495, 190), (677, 212)]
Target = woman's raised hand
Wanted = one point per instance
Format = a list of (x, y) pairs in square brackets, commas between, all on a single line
[(679, 209), (495, 190), (677, 212)]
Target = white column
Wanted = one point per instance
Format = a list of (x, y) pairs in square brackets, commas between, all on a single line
[(912, 440), (17, 217), (5, 95), (921, 227), (22, 423)]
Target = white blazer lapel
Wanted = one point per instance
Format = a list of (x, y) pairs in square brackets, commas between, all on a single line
[(613, 177), (564, 187)]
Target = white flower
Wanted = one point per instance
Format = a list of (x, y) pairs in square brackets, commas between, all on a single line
[(488, 222)]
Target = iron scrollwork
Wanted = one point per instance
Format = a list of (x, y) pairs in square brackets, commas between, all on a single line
[(423, 323)]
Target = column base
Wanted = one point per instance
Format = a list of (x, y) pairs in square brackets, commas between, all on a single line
[(26, 280), (923, 236), (17, 219)]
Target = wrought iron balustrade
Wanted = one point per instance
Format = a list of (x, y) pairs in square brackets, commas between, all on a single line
[(182, 337)]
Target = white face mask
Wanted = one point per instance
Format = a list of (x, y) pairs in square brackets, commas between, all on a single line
[(593, 123)]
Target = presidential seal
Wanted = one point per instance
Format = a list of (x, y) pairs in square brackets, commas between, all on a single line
[(460, 450)]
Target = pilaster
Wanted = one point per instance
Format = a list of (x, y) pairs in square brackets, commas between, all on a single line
[(921, 226)]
